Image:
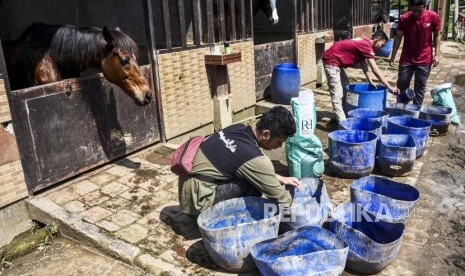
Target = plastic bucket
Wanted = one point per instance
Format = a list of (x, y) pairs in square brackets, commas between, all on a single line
[(386, 50), (364, 95), (369, 113), (311, 205), (230, 228), (399, 109), (438, 116), (285, 83), (304, 251), (405, 96), (364, 124), (388, 200), (352, 152), (396, 154), (373, 244), (418, 129)]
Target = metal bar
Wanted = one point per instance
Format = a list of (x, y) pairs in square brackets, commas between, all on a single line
[(312, 11), (166, 22), (197, 21), (150, 33), (182, 23), (210, 25), (243, 24), (221, 21), (307, 16), (294, 29), (251, 19), (301, 15), (232, 14)]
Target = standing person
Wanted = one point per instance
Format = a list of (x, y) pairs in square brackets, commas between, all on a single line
[(230, 164), (349, 53), (417, 28)]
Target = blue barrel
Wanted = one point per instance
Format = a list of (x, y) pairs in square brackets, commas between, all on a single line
[(396, 154), (388, 200), (311, 205), (364, 124), (364, 95), (369, 113), (285, 83), (230, 228), (386, 50), (373, 244), (418, 129), (399, 109), (304, 251), (405, 96), (352, 152), (438, 116)]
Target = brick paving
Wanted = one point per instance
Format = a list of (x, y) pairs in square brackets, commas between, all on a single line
[(133, 203)]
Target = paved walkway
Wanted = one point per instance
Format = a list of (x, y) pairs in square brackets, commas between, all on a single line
[(129, 209)]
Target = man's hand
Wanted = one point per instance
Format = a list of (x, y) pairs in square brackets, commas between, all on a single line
[(393, 90), (436, 61), (288, 180), (391, 61)]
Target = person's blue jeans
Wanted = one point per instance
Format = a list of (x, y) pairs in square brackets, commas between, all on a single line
[(419, 86)]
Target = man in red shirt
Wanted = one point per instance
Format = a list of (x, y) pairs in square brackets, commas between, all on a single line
[(349, 53), (417, 27)]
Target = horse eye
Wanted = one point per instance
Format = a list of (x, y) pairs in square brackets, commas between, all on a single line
[(124, 61)]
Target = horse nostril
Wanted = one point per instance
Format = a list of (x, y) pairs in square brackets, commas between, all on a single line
[(148, 97)]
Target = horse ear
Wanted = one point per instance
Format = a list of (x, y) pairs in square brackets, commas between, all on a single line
[(107, 35), (118, 29)]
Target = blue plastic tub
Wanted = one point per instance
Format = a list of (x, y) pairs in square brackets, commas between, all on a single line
[(386, 50), (304, 251), (352, 152), (230, 228), (399, 109), (364, 124), (372, 244), (418, 129), (364, 95), (311, 205), (438, 116), (285, 83), (405, 96), (386, 199), (373, 114), (396, 154)]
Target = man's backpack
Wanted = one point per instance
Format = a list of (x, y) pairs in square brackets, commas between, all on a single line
[(183, 158)]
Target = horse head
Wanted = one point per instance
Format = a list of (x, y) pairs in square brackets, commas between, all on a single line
[(378, 15), (119, 66), (269, 8)]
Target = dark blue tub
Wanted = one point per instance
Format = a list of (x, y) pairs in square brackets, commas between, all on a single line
[(230, 228), (372, 244), (374, 114), (388, 200), (285, 83), (399, 109), (364, 124), (304, 251), (364, 95), (438, 116), (351, 152), (311, 205), (418, 129), (396, 154)]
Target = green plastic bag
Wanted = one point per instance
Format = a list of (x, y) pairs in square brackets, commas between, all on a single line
[(304, 151), (442, 96)]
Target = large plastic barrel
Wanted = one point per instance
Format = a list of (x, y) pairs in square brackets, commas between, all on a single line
[(370, 113), (418, 129), (305, 251), (396, 154), (230, 228), (285, 83), (438, 116), (364, 124), (399, 109), (373, 243), (364, 95), (352, 152), (388, 200)]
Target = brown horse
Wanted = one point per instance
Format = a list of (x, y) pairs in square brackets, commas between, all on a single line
[(50, 53)]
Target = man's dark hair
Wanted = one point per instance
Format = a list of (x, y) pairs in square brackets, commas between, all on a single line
[(417, 2), (279, 121), (379, 34)]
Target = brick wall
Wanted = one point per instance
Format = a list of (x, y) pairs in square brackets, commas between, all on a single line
[(185, 87), (307, 56), (363, 31), (12, 185), (4, 108)]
